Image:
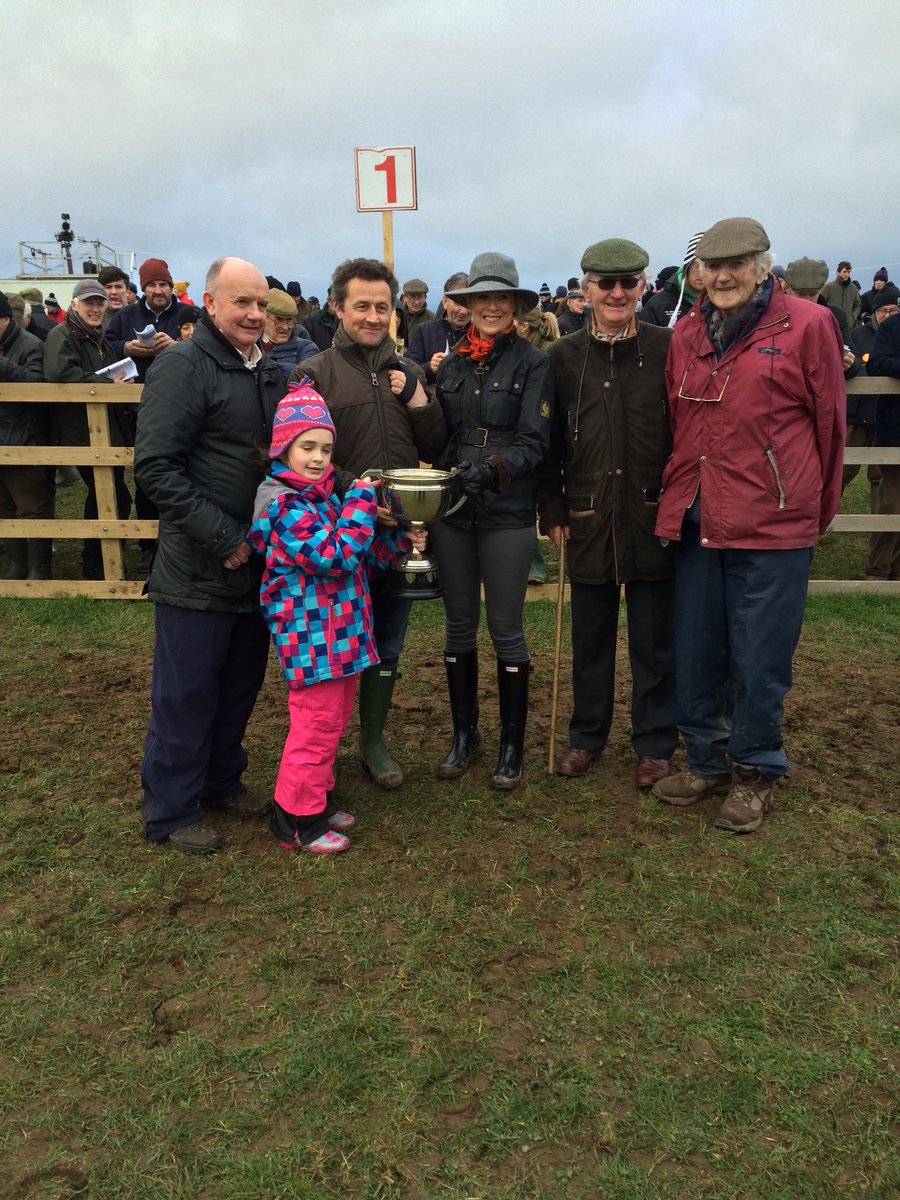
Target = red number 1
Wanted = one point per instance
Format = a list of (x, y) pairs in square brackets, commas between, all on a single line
[(389, 166)]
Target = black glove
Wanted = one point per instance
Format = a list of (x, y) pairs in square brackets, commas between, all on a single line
[(478, 477), (412, 381)]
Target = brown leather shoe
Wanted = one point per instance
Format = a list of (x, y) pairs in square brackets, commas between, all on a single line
[(651, 770), (576, 762)]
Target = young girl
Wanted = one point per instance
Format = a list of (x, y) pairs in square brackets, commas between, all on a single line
[(315, 599)]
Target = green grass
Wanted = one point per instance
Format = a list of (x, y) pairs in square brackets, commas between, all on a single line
[(565, 992)]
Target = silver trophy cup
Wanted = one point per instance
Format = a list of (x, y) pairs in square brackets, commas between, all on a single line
[(416, 496)]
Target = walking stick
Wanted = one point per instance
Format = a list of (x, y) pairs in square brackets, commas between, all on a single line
[(554, 700)]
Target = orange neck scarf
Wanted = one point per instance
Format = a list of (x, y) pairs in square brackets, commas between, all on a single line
[(477, 348)]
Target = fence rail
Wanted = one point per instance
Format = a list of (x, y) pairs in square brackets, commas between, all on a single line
[(113, 532)]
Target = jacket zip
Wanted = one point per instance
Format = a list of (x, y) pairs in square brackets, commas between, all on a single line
[(774, 465), (385, 465), (615, 548)]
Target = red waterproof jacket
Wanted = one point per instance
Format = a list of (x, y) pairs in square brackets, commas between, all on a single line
[(760, 431)]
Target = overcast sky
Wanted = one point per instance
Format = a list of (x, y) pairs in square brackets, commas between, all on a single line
[(190, 130)]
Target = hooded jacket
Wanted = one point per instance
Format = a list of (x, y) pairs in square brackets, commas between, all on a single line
[(315, 594), (760, 432), (203, 420)]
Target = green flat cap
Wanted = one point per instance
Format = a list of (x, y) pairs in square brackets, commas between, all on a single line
[(804, 274), (415, 287), (281, 304), (615, 256), (17, 304), (732, 238), (32, 295)]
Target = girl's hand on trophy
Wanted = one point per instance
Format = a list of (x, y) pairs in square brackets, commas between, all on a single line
[(384, 518)]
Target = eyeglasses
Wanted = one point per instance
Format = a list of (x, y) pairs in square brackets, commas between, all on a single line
[(702, 399), (281, 320), (606, 283)]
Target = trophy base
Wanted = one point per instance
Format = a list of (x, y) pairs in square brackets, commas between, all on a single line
[(414, 578)]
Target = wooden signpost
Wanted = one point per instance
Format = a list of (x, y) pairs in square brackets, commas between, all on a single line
[(385, 181)]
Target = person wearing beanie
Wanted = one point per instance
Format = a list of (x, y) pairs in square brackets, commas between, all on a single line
[(384, 419), (679, 291), (756, 398), (206, 413), (598, 489), (26, 492), (868, 298), (143, 330), (320, 543), (304, 307), (843, 293)]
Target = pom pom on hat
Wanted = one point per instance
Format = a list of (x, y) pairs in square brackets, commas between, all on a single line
[(301, 409)]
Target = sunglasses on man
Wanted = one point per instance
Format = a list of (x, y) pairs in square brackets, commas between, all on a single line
[(606, 283)]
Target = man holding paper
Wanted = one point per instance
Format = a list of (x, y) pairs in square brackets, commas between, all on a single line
[(78, 352)]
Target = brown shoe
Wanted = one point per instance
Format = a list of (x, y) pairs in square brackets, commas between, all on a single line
[(747, 802), (684, 789), (651, 770), (576, 762)]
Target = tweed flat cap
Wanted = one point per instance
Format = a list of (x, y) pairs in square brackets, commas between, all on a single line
[(281, 304), (804, 274), (32, 295), (732, 238), (415, 287), (615, 256)]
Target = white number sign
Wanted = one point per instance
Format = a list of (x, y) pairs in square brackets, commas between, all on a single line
[(385, 178)]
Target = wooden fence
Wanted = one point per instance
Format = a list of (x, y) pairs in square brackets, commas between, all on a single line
[(112, 532)]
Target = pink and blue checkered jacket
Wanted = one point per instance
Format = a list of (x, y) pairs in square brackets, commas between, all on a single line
[(315, 592)]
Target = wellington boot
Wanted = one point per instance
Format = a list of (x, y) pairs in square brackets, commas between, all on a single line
[(376, 687), (17, 559), (512, 684), (462, 684)]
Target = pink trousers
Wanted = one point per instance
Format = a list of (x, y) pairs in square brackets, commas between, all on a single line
[(319, 716)]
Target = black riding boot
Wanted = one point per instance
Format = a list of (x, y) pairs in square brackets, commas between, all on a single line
[(512, 684), (462, 684)]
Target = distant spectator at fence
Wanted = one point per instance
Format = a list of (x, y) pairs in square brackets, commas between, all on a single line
[(73, 353), (867, 299), (412, 309), (679, 291), (883, 561), (574, 316), (157, 309), (321, 325), (26, 492), (280, 341), (114, 281), (39, 324), (844, 293)]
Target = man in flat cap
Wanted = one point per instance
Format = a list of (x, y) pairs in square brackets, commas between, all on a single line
[(756, 393), (599, 489), (412, 310)]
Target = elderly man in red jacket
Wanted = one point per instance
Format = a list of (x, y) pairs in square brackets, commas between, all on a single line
[(756, 394)]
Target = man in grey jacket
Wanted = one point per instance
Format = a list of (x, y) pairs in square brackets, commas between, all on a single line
[(206, 410)]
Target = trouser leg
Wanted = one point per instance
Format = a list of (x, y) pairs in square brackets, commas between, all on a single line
[(765, 598), (239, 687), (651, 651), (192, 655), (883, 560), (318, 717), (595, 618), (702, 666)]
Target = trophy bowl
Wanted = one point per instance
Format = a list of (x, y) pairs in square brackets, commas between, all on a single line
[(416, 496)]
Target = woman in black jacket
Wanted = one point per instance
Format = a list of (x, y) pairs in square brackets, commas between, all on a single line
[(495, 391)]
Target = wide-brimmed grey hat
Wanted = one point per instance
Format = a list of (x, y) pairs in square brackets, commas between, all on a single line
[(494, 272), (733, 238)]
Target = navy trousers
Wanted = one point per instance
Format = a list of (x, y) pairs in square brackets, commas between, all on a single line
[(208, 668), (738, 615)]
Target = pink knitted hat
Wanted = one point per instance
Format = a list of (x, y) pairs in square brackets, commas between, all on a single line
[(301, 409)]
